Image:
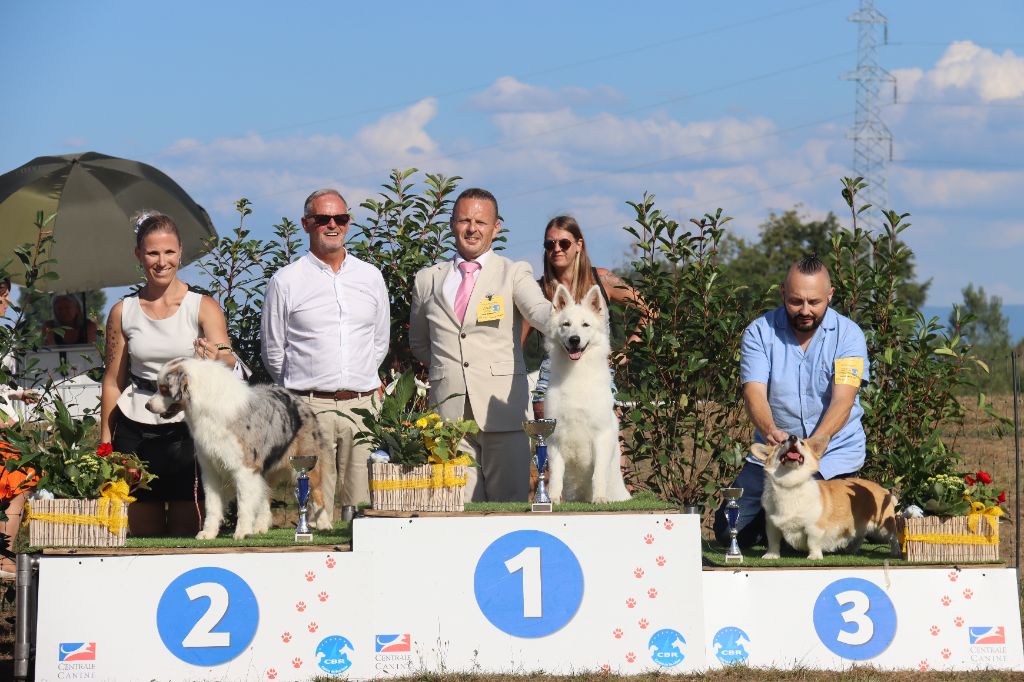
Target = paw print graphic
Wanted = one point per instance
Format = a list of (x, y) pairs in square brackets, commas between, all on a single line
[(968, 593), (643, 623), (660, 560), (953, 576), (271, 674), (617, 633), (322, 596), (312, 627), (652, 593), (296, 662), (300, 606), (630, 657), (630, 603), (330, 563), (934, 630), (923, 666), (668, 524), (958, 621), (946, 601), (310, 576), (946, 653), (649, 539), (638, 572), (286, 637)]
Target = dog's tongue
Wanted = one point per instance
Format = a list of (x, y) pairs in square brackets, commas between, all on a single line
[(575, 355), (793, 454)]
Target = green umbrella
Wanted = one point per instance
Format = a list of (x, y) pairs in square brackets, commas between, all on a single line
[(91, 197)]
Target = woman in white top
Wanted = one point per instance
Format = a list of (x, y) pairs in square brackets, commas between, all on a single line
[(162, 322)]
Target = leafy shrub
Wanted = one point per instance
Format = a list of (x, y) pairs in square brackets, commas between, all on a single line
[(683, 376)]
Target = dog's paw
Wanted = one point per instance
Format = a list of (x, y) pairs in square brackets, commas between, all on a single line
[(240, 534), (323, 524), (600, 499), (770, 555), (815, 555), (206, 534)]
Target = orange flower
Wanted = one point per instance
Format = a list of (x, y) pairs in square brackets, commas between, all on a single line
[(13, 483)]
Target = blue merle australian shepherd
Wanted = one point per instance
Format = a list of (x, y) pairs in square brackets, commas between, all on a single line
[(244, 436)]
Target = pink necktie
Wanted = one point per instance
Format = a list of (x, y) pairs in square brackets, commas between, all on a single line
[(468, 269)]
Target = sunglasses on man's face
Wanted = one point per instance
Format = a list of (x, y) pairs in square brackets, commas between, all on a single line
[(341, 220), (563, 244)]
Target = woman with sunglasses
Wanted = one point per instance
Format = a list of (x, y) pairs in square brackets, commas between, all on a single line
[(566, 262), (163, 321)]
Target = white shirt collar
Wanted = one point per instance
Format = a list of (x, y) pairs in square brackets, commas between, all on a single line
[(481, 259), (320, 265)]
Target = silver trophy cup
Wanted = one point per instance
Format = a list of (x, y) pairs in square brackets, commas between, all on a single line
[(732, 514), (302, 464), (537, 430)]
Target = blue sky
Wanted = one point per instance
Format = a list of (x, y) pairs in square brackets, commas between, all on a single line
[(570, 107)]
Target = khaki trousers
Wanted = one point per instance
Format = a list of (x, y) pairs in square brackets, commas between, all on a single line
[(346, 470), (504, 471)]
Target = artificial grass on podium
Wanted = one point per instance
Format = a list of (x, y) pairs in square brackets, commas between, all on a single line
[(641, 502), (870, 556)]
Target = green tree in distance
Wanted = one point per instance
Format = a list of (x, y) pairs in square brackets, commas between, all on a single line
[(983, 324), (761, 264)]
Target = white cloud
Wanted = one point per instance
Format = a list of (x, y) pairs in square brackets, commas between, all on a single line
[(958, 188), (510, 94), (966, 68)]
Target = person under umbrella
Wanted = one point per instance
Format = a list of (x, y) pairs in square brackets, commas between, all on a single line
[(163, 321)]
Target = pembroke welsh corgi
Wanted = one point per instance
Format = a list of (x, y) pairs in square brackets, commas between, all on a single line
[(819, 516)]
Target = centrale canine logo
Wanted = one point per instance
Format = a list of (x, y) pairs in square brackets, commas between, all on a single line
[(988, 634), (76, 651), (393, 644)]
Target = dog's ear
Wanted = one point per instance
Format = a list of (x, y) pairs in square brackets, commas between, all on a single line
[(561, 299), (761, 451), (595, 301), (177, 384)]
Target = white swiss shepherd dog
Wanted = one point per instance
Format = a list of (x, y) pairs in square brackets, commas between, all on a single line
[(584, 448), (244, 436)]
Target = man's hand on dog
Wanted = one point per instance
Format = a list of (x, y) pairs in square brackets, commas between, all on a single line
[(775, 437)]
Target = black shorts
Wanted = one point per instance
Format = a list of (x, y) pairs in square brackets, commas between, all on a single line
[(168, 452)]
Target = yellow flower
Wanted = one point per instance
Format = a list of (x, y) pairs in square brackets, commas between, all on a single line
[(421, 423), (434, 417)]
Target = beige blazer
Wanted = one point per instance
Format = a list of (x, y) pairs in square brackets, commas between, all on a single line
[(482, 360)]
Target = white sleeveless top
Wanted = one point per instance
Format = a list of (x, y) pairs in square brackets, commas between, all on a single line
[(151, 343)]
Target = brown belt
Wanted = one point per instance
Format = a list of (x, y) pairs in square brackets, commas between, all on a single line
[(333, 395)]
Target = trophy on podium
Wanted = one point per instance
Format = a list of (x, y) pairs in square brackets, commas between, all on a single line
[(732, 514), (302, 464), (537, 429)]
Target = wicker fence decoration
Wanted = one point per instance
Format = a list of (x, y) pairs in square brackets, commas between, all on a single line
[(430, 487), (77, 523), (948, 539)]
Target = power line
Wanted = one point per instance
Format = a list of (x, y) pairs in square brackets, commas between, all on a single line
[(552, 69), (676, 157)]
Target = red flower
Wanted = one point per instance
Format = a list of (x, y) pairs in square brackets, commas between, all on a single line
[(984, 477), (968, 480), (1002, 497), (104, 449)]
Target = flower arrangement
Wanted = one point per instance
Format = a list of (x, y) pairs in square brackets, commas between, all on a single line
[(410, 434), (950, 495), (58, 463)]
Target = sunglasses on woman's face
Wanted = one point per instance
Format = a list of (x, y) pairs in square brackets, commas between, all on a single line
[(563, 244), (341, 220)]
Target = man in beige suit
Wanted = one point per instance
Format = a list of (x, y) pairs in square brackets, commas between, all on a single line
[(465, 327)]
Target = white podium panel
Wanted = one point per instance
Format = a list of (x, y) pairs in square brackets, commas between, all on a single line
[(553, 593), (921, 618), (204, 617)]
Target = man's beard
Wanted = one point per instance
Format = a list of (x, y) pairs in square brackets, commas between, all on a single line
[(805, 324)]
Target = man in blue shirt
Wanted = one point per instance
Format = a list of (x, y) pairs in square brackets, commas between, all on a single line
[(801, 366)]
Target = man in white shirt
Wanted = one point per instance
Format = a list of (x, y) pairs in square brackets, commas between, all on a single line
[(465, 326), (325, 331)]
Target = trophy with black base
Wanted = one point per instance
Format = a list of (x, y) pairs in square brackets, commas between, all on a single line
[(302, 464), (537, 430)]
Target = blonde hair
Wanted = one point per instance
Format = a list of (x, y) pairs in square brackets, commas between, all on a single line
[(582, 269)]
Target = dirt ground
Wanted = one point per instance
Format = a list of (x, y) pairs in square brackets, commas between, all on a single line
[(981, 449)]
